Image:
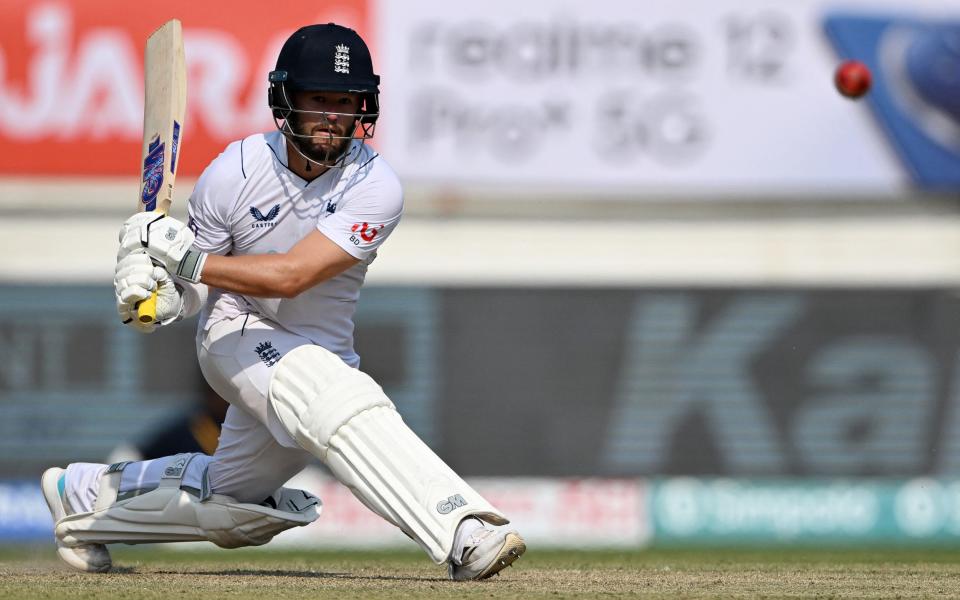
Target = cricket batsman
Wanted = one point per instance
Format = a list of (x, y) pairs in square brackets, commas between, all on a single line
[(282, 228)]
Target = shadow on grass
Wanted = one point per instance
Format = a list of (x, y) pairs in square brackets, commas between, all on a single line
[(285, 573)]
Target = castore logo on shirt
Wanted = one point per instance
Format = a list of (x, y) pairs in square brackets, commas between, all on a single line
[(264, 220)]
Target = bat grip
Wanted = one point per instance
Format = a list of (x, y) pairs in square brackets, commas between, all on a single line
[(147, 309)]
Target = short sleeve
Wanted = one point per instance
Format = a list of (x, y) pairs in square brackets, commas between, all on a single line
[(210, 205), (369, 213)]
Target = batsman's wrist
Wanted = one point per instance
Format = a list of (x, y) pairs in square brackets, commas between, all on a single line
[(191, 265)]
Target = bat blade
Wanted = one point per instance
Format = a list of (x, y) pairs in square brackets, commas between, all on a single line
[(164, 105)]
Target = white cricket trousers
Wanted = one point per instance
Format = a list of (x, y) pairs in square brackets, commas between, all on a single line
[(255, 455)]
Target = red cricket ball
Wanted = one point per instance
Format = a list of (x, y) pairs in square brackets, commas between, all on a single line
[(852, 78)]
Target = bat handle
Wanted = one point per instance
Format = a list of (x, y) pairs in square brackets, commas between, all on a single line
[(147, 309)]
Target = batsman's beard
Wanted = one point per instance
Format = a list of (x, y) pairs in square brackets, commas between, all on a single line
[(322, 147)]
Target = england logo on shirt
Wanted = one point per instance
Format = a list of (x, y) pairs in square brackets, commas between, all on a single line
[(268, 354)]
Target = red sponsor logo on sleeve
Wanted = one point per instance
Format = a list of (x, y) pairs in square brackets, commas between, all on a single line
[(367, 233)]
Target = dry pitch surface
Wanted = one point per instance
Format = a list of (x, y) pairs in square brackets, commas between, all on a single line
[(146, 572)]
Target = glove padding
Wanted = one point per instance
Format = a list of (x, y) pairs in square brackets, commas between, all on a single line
[(135, 279), (167, 240)]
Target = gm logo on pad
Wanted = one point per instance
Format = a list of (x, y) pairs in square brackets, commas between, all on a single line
[(447, 506)]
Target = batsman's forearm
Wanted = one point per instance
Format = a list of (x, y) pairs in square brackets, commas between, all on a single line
[(261, 275)]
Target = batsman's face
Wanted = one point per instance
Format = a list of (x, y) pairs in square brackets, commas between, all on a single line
[(328, 121)]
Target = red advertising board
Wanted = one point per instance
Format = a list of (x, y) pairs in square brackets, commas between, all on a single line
[(71, 77)]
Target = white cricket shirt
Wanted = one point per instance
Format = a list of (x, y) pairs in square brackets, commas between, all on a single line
[(248, 202)]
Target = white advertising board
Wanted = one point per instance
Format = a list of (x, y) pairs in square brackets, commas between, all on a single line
[(720, 98)]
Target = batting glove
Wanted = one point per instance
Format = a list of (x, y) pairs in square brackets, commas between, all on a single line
[(167, 240), (135, 279)]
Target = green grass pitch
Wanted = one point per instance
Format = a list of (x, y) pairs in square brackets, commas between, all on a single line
[(154, 572)]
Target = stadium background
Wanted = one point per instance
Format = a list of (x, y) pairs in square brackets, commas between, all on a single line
[(658, 283)]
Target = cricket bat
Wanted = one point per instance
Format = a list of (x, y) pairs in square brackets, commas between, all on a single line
[(164, 104)]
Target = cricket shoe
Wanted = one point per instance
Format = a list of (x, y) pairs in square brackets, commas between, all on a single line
[(486, 553), (93, 558)]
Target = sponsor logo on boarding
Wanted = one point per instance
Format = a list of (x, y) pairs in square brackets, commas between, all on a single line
[(365, 231), (268, 354), (915, 63), (57, 49), (152, 174), (448, 505), (264, 220)]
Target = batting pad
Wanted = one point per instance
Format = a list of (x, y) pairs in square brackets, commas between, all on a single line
[(341, 416), (170, 514)]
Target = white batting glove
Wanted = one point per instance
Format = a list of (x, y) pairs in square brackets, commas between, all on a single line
[(135, 279), (167, 240)]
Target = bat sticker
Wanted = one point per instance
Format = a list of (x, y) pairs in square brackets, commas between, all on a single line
[(174, 147), (152, 175)]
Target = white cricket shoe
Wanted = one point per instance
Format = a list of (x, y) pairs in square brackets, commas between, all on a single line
[(93, 558), (486, 553)]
